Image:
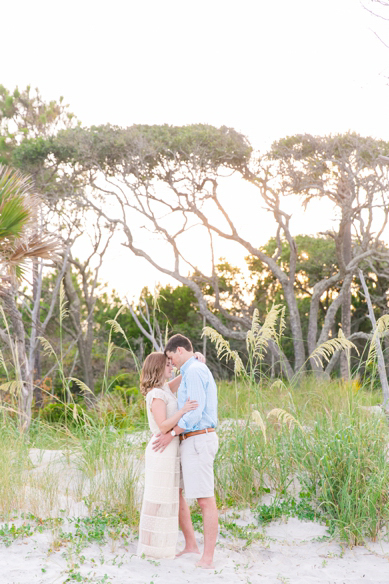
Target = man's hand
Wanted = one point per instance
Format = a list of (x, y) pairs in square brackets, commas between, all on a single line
[(162, 440)]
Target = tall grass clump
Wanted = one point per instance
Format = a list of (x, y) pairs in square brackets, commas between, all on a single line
[(13, 460), (306, 436), (343, 465), (90, 465)]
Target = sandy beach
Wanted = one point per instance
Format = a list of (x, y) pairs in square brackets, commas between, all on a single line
[(290, 552), (48, 551)]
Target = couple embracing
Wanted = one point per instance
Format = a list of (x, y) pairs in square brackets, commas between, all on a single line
[(182, 415)]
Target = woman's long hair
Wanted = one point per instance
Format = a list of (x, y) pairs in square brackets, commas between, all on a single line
[(153, 372)]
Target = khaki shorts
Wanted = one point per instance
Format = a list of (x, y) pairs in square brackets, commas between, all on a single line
[(197, 457)]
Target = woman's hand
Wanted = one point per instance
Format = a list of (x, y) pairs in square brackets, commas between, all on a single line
[(189, 405), (200, 357)]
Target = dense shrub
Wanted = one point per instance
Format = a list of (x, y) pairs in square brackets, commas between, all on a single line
[(61, 413)]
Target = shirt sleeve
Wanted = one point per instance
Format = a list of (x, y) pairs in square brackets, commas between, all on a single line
[(196, 390)]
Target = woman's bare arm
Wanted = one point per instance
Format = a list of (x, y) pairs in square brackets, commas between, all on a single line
[(158, 408)]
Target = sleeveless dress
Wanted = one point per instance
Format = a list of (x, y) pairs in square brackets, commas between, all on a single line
[(158, 528)]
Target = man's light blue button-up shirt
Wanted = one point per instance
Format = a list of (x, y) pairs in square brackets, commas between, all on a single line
[(197, 384)]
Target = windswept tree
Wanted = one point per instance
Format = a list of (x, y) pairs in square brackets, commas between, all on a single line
[(169, 179), (24, 116), (81, 287), (28, 125), (18, 244), (348, 171)]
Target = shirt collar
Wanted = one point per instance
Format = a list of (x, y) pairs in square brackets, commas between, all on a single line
[(186, 365)]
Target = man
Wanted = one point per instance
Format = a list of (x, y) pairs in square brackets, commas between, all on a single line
[(199, 445)]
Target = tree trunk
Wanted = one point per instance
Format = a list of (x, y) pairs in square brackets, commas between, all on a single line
[(24, 375), (37, 348), (386, 354), (380, 356), (346, 301), (84, 343), (318, 290), (295, 325)]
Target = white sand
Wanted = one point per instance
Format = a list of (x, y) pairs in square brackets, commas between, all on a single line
[(290, 555), (290, 552)]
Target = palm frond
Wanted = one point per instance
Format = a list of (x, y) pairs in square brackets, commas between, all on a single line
[(284, 417), (12, 184), (17, 205), (328, 348), (13, 217), (257, 419), (36, 246), (19, 240)]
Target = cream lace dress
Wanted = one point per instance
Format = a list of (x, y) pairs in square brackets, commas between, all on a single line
[(158, 528)]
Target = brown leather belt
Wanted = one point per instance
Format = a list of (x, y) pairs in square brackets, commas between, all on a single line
[(189, 434)]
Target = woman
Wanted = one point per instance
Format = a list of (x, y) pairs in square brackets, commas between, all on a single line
[(158, 528)]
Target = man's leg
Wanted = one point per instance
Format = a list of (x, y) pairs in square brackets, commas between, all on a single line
[(210, 521), (187, 528)]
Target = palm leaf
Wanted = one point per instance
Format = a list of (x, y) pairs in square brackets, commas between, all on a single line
[(16, 204), (13, 217), (18, 211), (36, 247)]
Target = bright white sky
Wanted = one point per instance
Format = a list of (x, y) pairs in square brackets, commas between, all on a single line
[(267, 68)]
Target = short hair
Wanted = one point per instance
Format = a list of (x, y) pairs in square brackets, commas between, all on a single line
[(153, 372), (178, 341)]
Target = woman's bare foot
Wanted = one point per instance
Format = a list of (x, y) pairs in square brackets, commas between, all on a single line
[(188, 550), (208, 565)]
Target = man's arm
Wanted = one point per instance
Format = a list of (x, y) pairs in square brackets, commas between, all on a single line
[(163, 440)]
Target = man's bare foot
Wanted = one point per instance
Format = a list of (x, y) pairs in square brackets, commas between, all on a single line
[(205, 564), (188, 550)]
